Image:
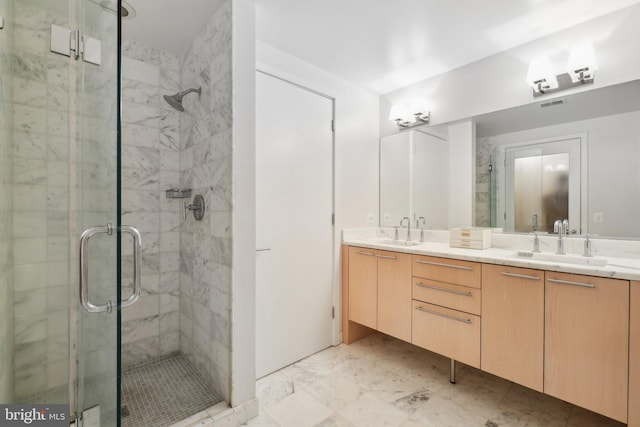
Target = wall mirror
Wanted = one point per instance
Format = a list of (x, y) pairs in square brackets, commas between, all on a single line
[(413, 179), (575, 157)]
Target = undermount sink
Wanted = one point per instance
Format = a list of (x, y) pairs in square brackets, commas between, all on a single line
[(393, 242), (564, 259)]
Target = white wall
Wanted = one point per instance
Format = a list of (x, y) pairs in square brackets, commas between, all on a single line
[(243, 339), (498, 82), (356, 141), (462, 174), (431, 180)]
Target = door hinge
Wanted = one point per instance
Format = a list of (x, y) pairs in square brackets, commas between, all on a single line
[(505, 215), (65, 42), (333, 312), (333, 125), (333, 219)]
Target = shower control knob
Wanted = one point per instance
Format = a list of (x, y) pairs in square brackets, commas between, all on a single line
[(197, 207)]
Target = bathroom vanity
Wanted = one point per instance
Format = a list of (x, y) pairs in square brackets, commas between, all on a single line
[(568, 330)]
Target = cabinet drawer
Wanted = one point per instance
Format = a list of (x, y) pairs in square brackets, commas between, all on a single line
[(456, 297), (448, 332), (447, 270)]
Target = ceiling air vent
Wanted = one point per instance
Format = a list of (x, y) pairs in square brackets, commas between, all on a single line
[(553, 103)]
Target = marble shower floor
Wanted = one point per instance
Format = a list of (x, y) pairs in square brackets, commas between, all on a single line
[(163, 392), (381, 381)]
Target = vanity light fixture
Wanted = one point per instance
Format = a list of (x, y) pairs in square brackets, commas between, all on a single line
[(582, 63), (581, 68), (415, 114)]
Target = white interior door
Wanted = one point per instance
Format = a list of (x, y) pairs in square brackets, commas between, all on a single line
[(294, 203)]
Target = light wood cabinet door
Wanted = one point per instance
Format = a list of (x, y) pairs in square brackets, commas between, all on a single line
[(448, 332), (513, 324), (634, 356), (363, 286), (587, 342), (394, 294)]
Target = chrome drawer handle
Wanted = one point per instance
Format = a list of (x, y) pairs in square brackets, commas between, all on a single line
[(365, 253), (451, 291), (566, 282), (438, 264), (387, 257), (520, 276), (448, 316)]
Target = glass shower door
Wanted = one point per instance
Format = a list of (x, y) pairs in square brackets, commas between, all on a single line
[(97, 399), (59, 181)]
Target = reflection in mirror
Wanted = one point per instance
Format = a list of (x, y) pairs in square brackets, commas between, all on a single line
[(524, 189), (542, 183), (414, 179)]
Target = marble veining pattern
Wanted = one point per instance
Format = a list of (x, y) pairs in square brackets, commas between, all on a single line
[(150, 329), (381, 381), (205, 142)]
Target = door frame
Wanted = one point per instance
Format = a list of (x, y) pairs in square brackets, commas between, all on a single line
[(334, 279), (584, 166)]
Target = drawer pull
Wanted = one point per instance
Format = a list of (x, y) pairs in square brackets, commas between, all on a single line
[(566, 282), (448, 316), (438, 264), (520, 276), (451, 291), (364, 253), (387, 257)]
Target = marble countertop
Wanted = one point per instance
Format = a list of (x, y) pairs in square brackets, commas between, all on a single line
[(616, 267)]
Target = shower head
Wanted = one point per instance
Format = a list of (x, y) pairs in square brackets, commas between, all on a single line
[(176, 100)]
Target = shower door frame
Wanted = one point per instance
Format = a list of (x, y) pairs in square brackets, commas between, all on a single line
[(84, 413)]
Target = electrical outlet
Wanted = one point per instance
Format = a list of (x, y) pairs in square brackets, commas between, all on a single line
[(598, 217), (387, 217), (371, 218)]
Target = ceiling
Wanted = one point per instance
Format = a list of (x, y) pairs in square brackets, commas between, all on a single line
[(380, 44), (169, 25)]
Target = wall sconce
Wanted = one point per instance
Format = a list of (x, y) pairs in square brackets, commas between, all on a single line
[(581, 68), (415, 114)]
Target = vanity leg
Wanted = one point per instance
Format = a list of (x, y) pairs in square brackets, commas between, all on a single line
[(452, 372)]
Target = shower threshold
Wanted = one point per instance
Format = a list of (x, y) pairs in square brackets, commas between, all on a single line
[(162, 393)]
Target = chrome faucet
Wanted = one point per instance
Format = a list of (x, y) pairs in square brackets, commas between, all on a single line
[(424, 223), (587, 247), (536, 242), (562, 228), (408, 227)]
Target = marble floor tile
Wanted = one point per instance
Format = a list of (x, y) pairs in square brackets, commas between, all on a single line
[(370, 410), (441, 411), (582, 418), (299, 409), (381, 381)]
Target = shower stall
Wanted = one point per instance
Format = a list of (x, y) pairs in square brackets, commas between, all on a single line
[(88, 148)]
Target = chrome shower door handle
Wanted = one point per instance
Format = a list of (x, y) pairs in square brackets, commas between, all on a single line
[(84, 267), (84, 270), (137, 263)]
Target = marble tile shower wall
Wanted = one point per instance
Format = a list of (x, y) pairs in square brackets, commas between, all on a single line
[(486, 149), (6, 263), (150, 165), (206, 167), (40, 138)]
